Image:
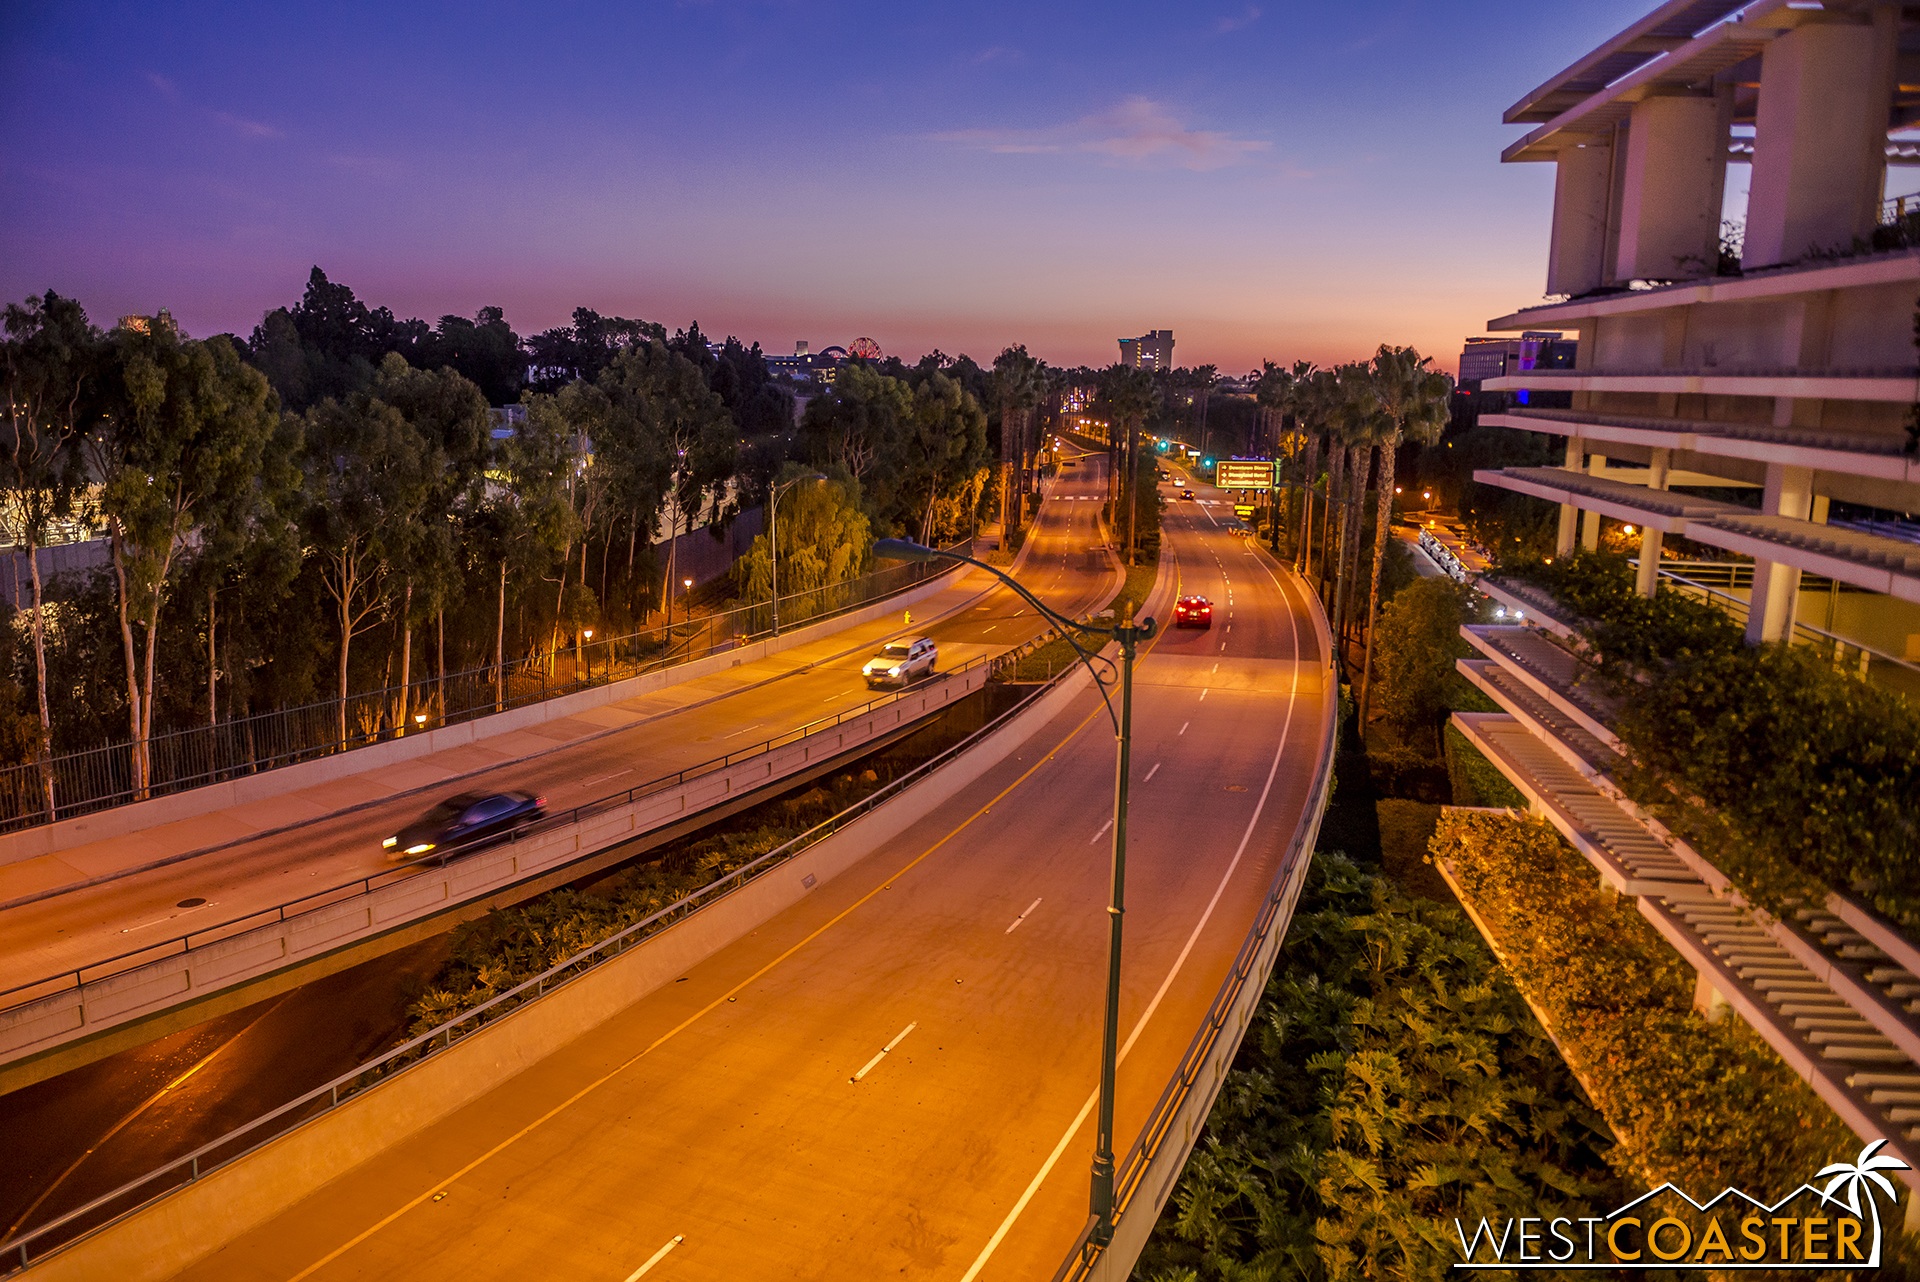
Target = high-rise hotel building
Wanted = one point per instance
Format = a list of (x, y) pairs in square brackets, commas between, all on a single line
[(1772, 364)]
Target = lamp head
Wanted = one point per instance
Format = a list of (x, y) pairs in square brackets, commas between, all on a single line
[(902, 550)]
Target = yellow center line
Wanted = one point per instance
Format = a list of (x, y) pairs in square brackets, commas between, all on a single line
[(688, 1022)]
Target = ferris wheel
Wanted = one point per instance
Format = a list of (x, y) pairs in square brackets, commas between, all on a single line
[(866, 349)]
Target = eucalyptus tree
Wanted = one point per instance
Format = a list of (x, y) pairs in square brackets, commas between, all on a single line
[(1414, 402), (1017, 387), (451, 414), (527, 519), (1130, 395), (177, 451), (370, 475), (51, 366), (860, 425), (689, 424), (945, 443)]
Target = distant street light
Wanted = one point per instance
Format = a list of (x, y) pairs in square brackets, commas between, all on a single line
[(1129, 636), (580, 651)]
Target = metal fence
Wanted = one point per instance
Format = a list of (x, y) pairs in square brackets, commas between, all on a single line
[(101, 778), (20, 1252)]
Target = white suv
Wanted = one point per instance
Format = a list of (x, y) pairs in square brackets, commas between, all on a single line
[(901, 662)]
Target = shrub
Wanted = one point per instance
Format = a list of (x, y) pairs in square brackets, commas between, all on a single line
[(1392, 1080), (1704, 1105), (1418, 640), (1625, 630)]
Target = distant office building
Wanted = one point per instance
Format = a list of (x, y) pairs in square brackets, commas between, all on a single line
[(160, 324), (1152, 350), (1496, 357), (799, 365)]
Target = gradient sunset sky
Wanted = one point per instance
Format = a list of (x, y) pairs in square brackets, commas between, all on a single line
[(1267, 180)]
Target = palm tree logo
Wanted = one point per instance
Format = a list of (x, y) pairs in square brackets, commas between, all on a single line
[(1855, 1177)]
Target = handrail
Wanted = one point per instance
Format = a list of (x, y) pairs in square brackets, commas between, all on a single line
[(373, 1072), (1808, 633), (392, 876)]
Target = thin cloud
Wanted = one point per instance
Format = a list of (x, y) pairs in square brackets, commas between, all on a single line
[(246, 128), (1139, 131), (1247, 19), (998, 53), (164, 85)]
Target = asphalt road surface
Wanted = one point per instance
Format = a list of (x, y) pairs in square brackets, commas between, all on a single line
[(896, 1076), (88, 924)]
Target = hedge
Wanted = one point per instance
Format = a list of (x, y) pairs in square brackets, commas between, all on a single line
[(1703, 1105)]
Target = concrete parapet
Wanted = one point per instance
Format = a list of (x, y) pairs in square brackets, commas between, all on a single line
[(280, 941), (30, 843), (166, 1236)]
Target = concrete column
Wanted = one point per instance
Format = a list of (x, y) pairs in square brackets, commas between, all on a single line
[(1816, 145), (1582, 193), (1669, 217), (1647, 581), (1563, 542), (1776, 586), (1590, 521)]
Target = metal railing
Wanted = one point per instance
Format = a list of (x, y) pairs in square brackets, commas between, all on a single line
[(22, 1251), (107, 968), (1247, 967), (1846, 654), (1897, 210), (101, 778)]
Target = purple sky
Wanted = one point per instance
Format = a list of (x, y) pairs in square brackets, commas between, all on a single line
[(1267, 180)]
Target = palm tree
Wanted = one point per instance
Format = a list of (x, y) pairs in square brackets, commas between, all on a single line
[(1130, 396), (1297, 393), (1357, 425), (1856, 1176), (1315, 399), (1415, 402), (1016, 383)]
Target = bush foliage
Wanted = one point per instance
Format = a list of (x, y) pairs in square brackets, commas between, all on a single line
[(1392, 1080), (1704, 1105)]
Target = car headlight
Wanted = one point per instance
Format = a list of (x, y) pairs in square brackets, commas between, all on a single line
[(391, 842), (420, 849)]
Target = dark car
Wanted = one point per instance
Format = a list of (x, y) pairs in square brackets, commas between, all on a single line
[(1193, 612), (465, 820)]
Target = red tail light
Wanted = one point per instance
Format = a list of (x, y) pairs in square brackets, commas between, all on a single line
[(539, 801)]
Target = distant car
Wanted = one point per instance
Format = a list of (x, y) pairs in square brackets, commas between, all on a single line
[(1188, 494), (466, 819), (1193, 612), (901, 662)]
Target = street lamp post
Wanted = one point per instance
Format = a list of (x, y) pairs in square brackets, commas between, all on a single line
[(1129, 635), (773, 536)]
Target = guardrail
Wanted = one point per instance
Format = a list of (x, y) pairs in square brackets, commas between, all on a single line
[(22, 1251), (1171, 1128), (99, 778), (95, 972)]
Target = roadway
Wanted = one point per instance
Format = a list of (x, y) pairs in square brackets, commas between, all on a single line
[(77, 924), (716, 1127)]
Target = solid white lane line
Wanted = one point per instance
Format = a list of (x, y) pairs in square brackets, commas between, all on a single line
[(755, 726), (588, 783), (656, 1257), (1046, 1168), (885, 1051), (1151, 773), (1022, 917), (1183, 727), (1103, 832)]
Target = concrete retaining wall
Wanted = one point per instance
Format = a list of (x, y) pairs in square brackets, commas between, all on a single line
[(165, 1237), (30, 843), (98, 1005)]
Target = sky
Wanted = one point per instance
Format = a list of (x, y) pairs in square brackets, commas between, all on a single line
[(1269, 181)]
